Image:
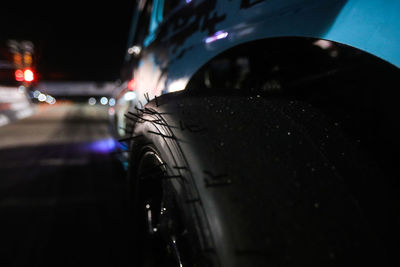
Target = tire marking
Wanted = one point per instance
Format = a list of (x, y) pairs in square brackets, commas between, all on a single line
[(179, 168), (191, 201), (139, 119), (168, 177), (156, 100), (216, 180), (131, 119), (163, 135), (150, 111), (191, 128)]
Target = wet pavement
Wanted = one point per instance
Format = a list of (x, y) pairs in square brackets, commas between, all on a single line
[(62, 190)]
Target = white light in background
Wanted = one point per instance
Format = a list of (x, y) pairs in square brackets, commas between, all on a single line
[(4, 119), (129, 96), (21, 89), (23, 113), (111, 102), (104, 100), (92, 101), (28, 75), (36, 93), (42, 97), (134, 50), (50, 100), (19, 105)]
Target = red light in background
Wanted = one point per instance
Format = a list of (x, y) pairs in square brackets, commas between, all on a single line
[(19, 75), (28, 75), (131, 85), (111, 111)]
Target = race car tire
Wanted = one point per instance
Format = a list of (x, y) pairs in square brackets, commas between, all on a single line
[(243, 180)]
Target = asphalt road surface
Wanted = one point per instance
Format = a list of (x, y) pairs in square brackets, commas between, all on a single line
[(62, 191)]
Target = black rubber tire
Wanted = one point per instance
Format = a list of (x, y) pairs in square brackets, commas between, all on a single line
[(262, 182)]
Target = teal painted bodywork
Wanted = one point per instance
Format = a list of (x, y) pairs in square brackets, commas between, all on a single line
[(187, 35)]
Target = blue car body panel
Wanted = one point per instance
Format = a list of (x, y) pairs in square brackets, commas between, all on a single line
[(198, 31)]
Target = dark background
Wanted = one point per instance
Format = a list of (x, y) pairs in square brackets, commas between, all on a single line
[(73, 40)]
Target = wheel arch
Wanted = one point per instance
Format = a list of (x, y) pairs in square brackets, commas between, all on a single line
[(369, 26), (283, 51)]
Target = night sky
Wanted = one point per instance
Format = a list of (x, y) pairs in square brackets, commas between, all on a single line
[(72, 41)]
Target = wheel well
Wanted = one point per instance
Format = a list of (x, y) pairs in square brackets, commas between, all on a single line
[(352, 87), (280, 64)]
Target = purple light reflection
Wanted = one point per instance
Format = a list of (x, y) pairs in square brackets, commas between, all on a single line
[(217, 36), (188, 1), (103, 146)]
